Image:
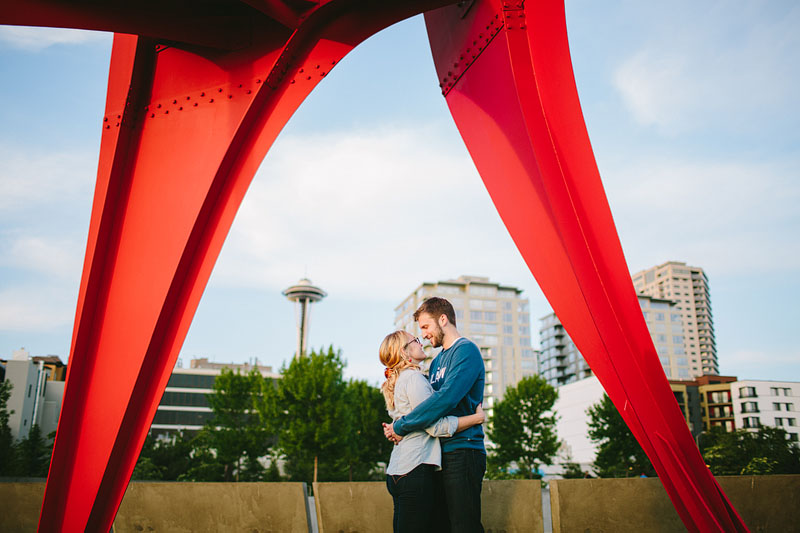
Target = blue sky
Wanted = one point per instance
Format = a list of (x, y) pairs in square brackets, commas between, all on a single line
[(694, 118)]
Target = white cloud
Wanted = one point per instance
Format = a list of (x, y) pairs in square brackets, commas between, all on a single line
[(723, 66), (57, 258), (761, 364), (374, 212), (36, 308), (36, 39), (730, 217), (33, 178)]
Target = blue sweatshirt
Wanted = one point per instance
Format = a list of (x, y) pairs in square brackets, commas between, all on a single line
[(457, 376)]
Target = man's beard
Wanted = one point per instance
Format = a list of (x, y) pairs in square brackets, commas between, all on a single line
[(437, 339)]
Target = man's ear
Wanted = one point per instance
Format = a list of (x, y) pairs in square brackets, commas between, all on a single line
[(443, 321)]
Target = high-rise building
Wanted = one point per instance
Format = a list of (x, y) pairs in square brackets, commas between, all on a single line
[(494, 316), (687, 286), (560, 362)]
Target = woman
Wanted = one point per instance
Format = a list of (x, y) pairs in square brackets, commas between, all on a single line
[(409, 475)]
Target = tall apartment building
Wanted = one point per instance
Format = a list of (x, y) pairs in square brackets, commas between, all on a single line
[(184, 405), (687, 286), (494, 316), (561, 363)]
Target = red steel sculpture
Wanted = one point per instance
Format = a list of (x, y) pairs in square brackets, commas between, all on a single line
[(197, 93)]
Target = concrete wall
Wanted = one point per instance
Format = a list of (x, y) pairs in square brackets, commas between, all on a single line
[(366, 507), (179, 507), (765, 503), (220, 507)]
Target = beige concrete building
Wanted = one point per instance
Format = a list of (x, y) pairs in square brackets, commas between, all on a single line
[(687, 286), (496, 317)]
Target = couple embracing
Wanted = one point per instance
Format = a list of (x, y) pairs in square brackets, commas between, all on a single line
[(437, 466)]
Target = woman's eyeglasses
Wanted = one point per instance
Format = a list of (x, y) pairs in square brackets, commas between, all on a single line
[(412, 341)]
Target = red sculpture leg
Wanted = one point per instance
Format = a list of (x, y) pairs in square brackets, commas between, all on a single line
[(505, 70), (184, 131)]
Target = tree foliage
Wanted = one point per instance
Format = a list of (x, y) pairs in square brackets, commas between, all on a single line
[(618, 453), (307, 410), (766, 451), (522, 427), (6, 440), (366, 446)]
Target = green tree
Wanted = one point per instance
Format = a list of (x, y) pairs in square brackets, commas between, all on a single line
[(33, 454), (522, 427), (366, 445), (307, 410), (164, 459), (618, 453), (766, 451), (234, 435), (6, 440)]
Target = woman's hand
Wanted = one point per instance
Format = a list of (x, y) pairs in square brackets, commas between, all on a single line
[(480, 412)]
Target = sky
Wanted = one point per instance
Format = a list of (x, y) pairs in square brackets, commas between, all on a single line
[(691, 108)]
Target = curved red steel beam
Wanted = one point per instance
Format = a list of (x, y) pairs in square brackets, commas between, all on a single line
[(505, 70), (184, 131), (196, 99)]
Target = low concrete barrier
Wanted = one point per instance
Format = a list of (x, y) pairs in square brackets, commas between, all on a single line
[(765, 503), (21, 503), (179, 507), (366, 507), (220, 507)]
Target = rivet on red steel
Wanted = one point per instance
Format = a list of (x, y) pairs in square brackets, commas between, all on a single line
[(158, 106), (105, 119), (195, 104), (166, 112), (174, 101), (188, 97), (152, 115), (180, 108), (108, 127), (258, 80), (219, 90), (248, 91), (211, 101), (230, 96), (202, 94)]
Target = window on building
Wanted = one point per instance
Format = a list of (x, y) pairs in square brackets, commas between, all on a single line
[(508, 341), (750, 407), (476, 315), (508, 330), (677, 339), (792, 437), (660, 317), (776, 406), (747, 392), (508, 317), (774, 391), (489, 316), (751, 422), (791, 422)]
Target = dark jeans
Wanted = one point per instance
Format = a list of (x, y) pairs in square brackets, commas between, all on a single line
[(457, 491), (413, 499)]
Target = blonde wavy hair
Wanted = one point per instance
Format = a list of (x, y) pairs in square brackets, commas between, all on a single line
[(393, 358)]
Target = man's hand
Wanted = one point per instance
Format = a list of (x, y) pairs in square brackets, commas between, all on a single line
[(388, 432)]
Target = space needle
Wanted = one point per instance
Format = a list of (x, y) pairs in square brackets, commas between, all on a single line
[(303, 294)]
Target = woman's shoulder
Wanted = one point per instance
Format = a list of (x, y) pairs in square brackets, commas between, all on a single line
[(410, 375)]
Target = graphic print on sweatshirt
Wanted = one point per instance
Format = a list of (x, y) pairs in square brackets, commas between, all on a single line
[(439, 375)]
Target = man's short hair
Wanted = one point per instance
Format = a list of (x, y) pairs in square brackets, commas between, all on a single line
[(436, 307)]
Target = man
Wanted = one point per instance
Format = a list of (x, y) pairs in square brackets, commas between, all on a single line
[(457, 376)]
